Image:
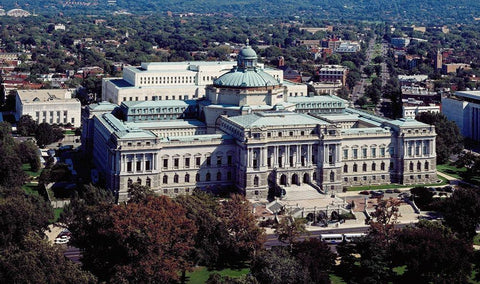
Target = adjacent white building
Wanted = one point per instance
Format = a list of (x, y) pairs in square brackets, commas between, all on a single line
[(464, 109), (154, 81), (53, 106)]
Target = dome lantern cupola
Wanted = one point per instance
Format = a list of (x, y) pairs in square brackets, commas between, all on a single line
[(247, 58)]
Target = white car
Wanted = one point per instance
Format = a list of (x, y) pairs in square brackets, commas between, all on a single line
[(61, 241)]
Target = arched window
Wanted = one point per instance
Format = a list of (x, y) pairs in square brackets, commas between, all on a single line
[(411, 166), (345, 168), (148, 182), (165, 179), (364, 167), (129, 182), (419, 166), (197, 177), (382, 166), (332, 176), (187, 178), (255, 181), (355, 168), (207, 177), (229, 175), (426, 166), (139, 180), (175, 178), (219, 176), (374, 167)]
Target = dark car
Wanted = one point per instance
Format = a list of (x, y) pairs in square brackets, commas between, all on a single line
[(396, 190), (389, 191), (365, 192)]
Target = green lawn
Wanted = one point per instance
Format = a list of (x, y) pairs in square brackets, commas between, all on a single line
[(26, 168), (56, 213), (69, 132), (30, 188), (200, 275), (336, 279), (451, 170), (458, 173)]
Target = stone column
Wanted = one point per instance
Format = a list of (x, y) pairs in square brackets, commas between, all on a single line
[(264, 156)]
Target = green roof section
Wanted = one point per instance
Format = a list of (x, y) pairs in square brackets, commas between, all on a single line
[(274, 119), (408, 122), (246, 79)]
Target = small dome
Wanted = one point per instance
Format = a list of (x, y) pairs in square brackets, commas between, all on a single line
[(248, 53)]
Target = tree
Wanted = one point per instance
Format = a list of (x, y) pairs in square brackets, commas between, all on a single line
[(385, 217), (34, 260), (47, 134), (277, 266), (423, 197), (144, 242), (317, 257), (139, 193), (28, 153), (290, 229), (20, 214), (210, 238), (449, 140), (461, 212), (243, 236), (26, 126), (431, 253)]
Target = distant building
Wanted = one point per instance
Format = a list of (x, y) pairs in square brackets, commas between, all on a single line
[(18, 13), (333, 73), (399, 42), (59, 27), (348, 47), (454, 67), (464, 109), (410, 110), (53, 106)]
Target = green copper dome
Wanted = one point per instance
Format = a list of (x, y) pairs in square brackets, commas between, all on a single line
[(246, 74)]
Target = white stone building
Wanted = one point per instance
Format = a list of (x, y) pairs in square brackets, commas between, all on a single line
[(464, 110), (247, 136), (53, 106)]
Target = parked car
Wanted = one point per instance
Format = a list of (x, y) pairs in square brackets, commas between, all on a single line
[(396, 190), (61, 241), (389, 191), (365, 192)]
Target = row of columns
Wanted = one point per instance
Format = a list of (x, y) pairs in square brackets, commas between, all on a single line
[(422, 143), (285, 152), (134, 158)]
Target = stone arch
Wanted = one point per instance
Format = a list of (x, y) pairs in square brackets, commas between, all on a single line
[(283, 180), (295, 179), (306, 178)]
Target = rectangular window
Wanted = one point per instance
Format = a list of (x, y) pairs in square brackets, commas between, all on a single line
[(364, 152), (139, 166), (197, 161), (129, 166), (209, 161), (345, 154), (374, 152), (187, 162), (229, 160), (382, 152), (355, 153), (175, 163), (165, 163), (147, 165), (219, 161)]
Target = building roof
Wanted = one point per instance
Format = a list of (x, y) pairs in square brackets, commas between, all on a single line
[(278, 118), (102, 106), (408, 122), (155, 104), (474, 95), (46, 95)]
